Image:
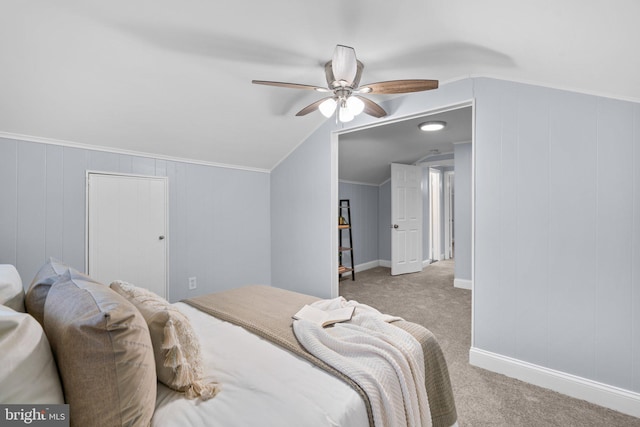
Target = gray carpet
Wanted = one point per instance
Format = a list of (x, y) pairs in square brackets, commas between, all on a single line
[(483, 398)]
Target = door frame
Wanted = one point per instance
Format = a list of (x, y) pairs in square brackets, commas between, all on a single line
[(333, 202), (435, 219), (449, 207), (166, 215)]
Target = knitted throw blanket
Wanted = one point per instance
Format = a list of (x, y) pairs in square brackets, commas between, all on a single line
[(267, 312), (387, 362)]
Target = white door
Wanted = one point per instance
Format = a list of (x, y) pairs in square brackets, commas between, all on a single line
[(127, 230), (406, 217), (435, 251)]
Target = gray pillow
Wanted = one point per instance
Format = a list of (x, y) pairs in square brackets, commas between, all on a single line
[(39, 288), (103, 349)]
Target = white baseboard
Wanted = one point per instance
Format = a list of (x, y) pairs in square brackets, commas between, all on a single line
[(367, 266), (387, 263), (615, 398), (463, 284)]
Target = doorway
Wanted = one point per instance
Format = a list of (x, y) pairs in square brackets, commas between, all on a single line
[(127, 230), (385, 139)]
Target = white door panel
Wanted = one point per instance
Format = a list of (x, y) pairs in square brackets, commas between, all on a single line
[(406, 217), (127, 229)]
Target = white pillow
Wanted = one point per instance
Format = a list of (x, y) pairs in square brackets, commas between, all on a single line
[(28, 373), (11, 290)]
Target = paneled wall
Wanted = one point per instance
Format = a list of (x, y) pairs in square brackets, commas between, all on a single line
[(219, 228), (463, 219), (384, 222), (301, 214), (557, 224), (557, 245), (364, 219)]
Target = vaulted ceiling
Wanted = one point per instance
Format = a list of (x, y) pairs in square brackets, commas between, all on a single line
[(173, 78)]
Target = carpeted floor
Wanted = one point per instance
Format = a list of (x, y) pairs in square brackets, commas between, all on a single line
[(483, 398)]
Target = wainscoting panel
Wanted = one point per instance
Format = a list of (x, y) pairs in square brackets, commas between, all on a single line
[(219, 218)]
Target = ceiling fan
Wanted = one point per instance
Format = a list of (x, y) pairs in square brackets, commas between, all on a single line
[(343, 74)]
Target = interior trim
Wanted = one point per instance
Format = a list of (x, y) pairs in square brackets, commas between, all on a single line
[(51, 141), (611, 397), (463, 284)]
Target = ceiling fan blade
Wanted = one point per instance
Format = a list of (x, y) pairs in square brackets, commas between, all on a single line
[(289, 85), (398, 86), (344, 64), (312, 107), (371, 108)]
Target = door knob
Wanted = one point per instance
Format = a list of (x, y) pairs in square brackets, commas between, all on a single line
[(395, 225), (160, 237)]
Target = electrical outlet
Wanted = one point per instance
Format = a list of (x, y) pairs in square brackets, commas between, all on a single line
[(192, 283)]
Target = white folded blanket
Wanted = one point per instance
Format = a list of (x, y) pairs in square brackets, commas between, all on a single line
[(386, 361)]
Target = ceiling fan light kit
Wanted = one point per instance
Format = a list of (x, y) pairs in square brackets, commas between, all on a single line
[(343, 74), (328, 107), (355, 105)]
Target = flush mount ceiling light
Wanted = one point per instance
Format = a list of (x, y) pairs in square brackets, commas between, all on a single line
[(432, 126)]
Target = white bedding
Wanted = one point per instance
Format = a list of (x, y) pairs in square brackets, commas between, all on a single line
[(261, 385)]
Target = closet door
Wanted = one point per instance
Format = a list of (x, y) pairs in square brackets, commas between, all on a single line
[(127, 230)]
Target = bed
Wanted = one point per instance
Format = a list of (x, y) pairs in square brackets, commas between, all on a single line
[(246, 367)]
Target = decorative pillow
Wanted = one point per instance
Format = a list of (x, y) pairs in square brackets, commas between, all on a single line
[(175, 344), (11, 291), (104, 354), (39, 288), (28, 373)]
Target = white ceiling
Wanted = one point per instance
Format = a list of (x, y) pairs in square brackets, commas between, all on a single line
[(365, 156), (173, 78)]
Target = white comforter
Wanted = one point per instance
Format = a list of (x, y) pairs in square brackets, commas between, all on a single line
[(386, 361), (261, 385)]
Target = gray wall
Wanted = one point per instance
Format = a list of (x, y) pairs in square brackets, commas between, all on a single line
[(557, 223), (384, 222), (301, 232), (363, 200), (557, 245), (301, 228), (462, 220), (216, 215)]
